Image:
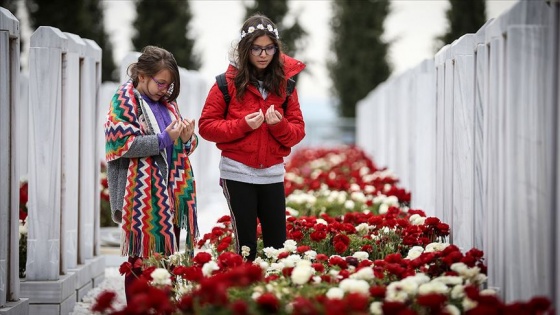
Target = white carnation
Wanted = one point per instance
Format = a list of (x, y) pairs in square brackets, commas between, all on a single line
[(375, 308), (383, 208), (415, 252), (302, 272), (433, 287), (160, 276), (291, 260), (458, 292), (354, 286), (335, 293), (451, 309), (209, 268), (362, 227), (469, 304), (310, 255), (361, 255), (365, 273), (290, 246), (436, 247)]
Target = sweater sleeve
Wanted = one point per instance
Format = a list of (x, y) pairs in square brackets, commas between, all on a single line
[(143, 146)]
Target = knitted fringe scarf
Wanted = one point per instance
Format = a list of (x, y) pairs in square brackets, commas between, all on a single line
[(152, 205)]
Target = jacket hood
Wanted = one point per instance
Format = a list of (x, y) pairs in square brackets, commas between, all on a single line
[(292, 66)]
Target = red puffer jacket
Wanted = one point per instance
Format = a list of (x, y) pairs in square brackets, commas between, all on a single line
[(264, 146)]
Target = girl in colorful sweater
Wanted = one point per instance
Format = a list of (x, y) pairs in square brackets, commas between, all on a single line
[(148, 143)]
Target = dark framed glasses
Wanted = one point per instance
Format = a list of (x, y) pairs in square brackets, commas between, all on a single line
[(257, 50)]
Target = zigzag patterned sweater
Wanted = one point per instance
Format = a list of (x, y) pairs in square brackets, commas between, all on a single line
[(151, 200)]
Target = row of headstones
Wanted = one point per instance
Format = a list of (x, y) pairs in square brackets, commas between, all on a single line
[(56, 141), (50, 137), (473, 132)]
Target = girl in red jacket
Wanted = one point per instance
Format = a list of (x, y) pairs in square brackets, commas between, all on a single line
[(255, 132)]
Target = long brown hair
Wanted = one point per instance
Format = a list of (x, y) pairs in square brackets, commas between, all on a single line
[(152, 60), (273, 76)]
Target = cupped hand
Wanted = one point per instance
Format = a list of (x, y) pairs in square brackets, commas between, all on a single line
[(188, 130), (255, 120), (272, 116), (174, 129)]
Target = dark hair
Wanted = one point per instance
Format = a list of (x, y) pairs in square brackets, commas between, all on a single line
[(273, 77), (152, 60)]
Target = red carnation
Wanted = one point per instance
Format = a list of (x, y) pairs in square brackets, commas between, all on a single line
[(321, 257), (224, 244), (217, 231), (318, 267), (539, 303), (147, 273), (303, 306), (341, 238), (103, 301), (378, 291), (268, 302), (239, 307), (125, 268), (340, 247), (229, 259), (186, 304), (287, 271), (224, 219), (318, 236), (433, 301), (296, 235), (202, 257), (357, 302), (393, 308), (283, 255), (193, 273), (431, 221)]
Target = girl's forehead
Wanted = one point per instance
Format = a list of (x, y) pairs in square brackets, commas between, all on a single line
[(263, 40), (164, 73)]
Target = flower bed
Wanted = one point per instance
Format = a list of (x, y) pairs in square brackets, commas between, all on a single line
[(354, 247), (23, 197)]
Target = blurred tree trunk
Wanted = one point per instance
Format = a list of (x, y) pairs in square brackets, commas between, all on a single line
[(165, 23), (361, 53), (462, 17)]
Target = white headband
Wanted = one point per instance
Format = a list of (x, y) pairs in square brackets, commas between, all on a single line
[(269, 28)]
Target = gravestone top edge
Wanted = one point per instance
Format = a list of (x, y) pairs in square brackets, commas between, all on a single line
[(76, 44), (48, 37), (9, 22), (93, 50)]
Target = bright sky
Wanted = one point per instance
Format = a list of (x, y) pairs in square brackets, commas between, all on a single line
[(412, 25)]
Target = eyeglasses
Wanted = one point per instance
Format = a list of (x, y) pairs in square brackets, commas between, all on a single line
[(257, 50), (163, 86)]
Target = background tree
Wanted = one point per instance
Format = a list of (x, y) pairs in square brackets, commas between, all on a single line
[(462, 17), (81, 17), (293, 37), (360, 62), (10, 5), (165, 23)]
